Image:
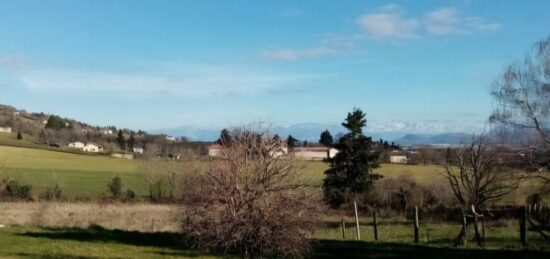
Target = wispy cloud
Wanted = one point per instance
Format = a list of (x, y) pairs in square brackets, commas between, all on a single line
[(294, 12), (194, 81), (296, 54), (389, 22), (392, 22), (13, 62), (447, 20)]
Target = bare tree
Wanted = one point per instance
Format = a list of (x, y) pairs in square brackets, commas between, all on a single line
[(251, 201), (153, 173), (477, 175), (522, 92)]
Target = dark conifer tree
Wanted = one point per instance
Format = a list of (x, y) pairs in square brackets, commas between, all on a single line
[(350, 173), (326, 139)]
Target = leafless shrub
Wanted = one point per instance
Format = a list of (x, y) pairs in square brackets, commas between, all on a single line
[(478, 176), (250, 201), (401, 194)]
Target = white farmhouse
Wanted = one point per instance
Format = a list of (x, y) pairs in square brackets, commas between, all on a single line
[(171, 138), (122, 155), (92, 147), (138, 150), (5, 129), (77, 145), (398, 157), (314, 153), (214, 150)]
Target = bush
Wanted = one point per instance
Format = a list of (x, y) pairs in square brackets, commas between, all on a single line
[(53, 193), (14, 190), (115, 187), (130, 195), (402, 194), (249, 202)]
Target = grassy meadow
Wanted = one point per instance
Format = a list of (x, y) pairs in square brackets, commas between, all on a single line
[(87, 176)]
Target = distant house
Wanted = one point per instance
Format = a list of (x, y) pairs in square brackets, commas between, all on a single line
[(88, 147), (92, 147), (398, 157), (108, 132), (214, 150), (138, 150), (281, 152), (122, 155), (77, 145), (171, 138), (5, 129), (314, 153)]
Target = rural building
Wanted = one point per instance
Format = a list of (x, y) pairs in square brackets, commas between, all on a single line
[(214, 150), (88, 147), (283, 151), (138, 150), (122, 155), (398, 157), (77, 145), (5, 129), (92, 147), (171, 138), (314, 153)]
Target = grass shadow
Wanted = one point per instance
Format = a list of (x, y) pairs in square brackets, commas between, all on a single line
[(355, 249), (98, 234)]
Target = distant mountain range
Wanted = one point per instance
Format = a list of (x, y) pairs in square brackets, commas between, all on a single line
[(311, 132), (433, 139)]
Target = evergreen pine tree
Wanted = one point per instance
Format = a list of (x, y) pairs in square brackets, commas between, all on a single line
[(19, 136), (291, 141), (350, 173), (121, 141), (326, 139), (131, 142)]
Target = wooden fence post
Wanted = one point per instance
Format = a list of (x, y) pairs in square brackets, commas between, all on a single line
[(523, 225), (428, 234), (343, 229), (483, 230), (464, 225), (416, 226), (375, 222), (357, 221)]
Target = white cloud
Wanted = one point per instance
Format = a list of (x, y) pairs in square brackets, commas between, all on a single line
[(390, 21), (297, 54), (195, 81), (448, 21), (389, 24)]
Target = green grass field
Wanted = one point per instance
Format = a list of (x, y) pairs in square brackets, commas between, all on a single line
[(82, 176), (97, 242)]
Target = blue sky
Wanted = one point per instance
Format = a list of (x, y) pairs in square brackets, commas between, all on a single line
[(411, 65)]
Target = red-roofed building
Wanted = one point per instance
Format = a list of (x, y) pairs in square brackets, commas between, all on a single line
[(214, 150)]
